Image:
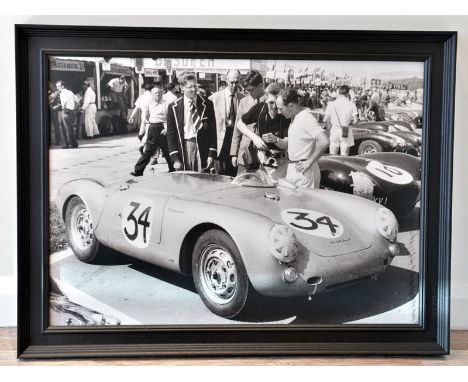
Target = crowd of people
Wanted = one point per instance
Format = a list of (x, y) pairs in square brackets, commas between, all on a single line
[(243, 126), (68, 108)]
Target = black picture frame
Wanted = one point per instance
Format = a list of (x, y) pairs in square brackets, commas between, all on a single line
[(36, 340)]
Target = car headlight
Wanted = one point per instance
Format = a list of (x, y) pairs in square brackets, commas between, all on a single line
[(400, 141), (362, 185), (397, 141), (282, 243), (386, 223)]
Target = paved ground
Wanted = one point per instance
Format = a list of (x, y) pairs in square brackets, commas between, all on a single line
[(140, 293)]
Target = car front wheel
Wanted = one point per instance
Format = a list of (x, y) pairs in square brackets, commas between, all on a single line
[(369, 147), (80, 232), (219, 274)]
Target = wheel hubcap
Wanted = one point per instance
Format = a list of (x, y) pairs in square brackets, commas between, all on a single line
[(82, 228), (369, 149), (218, 274)]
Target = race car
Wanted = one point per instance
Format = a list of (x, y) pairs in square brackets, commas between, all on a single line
[(373, 137), (390, 179), (412, 117), (235, 237), (371, 140)]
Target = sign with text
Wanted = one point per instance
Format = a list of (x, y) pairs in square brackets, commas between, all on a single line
[(67, 65), (118, 70), (200, 64), (150, 72)]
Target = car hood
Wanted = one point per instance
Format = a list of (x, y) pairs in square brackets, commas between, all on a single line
[(352, 218), (409, 137)]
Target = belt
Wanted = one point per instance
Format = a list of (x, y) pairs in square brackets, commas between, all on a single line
[(91, 103), (297, 161)]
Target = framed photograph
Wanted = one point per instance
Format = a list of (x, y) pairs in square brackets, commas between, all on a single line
[(216, 192)]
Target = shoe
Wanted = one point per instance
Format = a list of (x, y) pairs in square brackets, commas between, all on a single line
[(154, 161), (140, 149), (65, 147), (133, 173), (74, 147)]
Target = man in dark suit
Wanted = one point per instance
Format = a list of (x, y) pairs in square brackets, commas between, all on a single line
[(191, 128), (226, 103)]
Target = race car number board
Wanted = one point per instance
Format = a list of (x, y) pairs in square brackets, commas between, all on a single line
[(137, 219), (391, 174), (313, 222)]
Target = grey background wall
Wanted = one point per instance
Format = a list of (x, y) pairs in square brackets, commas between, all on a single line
[(459, 299)]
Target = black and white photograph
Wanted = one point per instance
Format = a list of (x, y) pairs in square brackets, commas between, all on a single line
[(212, 191)]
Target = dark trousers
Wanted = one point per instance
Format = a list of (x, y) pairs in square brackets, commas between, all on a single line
[(54, 116), (224, 163), (119, 99), (154, 141), (68, 117)]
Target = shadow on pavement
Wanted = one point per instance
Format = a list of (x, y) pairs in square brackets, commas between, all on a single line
[(403, 250), (114, 258), (410, 222), (395, 287)]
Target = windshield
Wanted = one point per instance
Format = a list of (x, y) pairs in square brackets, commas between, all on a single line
[(257, 178)]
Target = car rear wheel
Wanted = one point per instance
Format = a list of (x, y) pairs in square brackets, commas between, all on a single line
[(219, 274), (80, 232), (369, 147)]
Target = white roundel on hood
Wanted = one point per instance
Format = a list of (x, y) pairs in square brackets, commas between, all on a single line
[(313, 222), (389, 173)]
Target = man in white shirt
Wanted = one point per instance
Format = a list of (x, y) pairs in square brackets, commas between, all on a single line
[(67, 105), (170, 95), (118, 88), (89, 107), (341, 114), (155, 137), (141, 107), (306, 141), (226, 104)]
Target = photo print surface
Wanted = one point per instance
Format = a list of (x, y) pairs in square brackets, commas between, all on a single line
[(232, 192)]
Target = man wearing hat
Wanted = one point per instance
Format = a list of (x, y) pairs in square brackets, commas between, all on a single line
[(89, 108)]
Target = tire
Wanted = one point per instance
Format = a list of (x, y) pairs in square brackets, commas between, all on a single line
[(105, 126), (80, 232), (119, 125), (216, 262), (369, 147)]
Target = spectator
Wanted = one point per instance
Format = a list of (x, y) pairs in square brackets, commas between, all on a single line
[(306, 141), (270, 131), (341, 114), (226, 104), (191, 128), (170, 95), (89, 108), (241, 143), (155, 136), (118, 88), (67, 105)]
